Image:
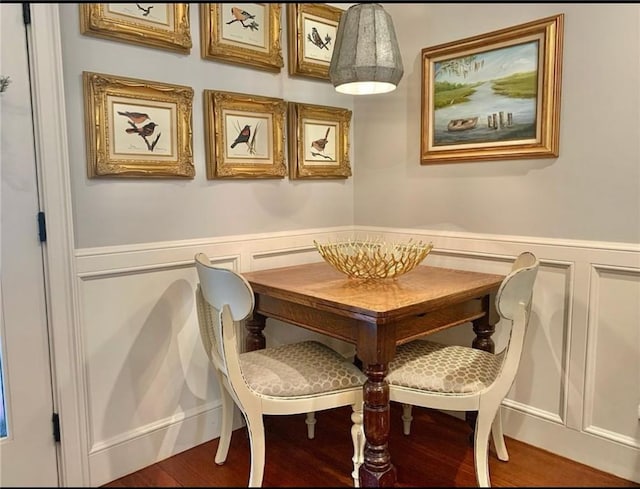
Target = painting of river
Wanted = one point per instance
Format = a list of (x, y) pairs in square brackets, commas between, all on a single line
[(499, 87), (494, 95)]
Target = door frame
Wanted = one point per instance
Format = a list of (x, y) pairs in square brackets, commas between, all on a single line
[(52, 159)]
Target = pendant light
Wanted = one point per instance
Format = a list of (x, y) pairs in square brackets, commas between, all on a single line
[(366, 58)]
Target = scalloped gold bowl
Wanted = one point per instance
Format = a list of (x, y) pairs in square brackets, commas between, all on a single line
[(372, 259)]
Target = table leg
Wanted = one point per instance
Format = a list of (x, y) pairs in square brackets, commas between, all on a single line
[(377, 470), (255, 340), (484, 328), (357, 362)]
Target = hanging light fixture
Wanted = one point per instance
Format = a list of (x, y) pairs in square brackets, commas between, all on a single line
[(366, 58)]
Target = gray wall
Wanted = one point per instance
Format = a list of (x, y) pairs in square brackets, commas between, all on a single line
[(591, 191), (123, 211)]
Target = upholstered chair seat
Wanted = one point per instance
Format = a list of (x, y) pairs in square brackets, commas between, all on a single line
[(298, 369), (460, 378), (450, 369)]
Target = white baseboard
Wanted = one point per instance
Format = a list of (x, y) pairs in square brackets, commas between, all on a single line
[(139, 450), (597, 452)]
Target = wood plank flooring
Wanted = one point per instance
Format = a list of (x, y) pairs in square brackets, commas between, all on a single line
[(436, 454)]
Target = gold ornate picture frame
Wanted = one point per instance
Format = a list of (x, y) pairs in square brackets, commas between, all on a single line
[(494, 96), (318, 141), (242, 33), (311, 34), (159, 25), (244, 135), (137, 128)]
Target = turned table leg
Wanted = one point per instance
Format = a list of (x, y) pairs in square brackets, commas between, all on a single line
[(484, 328), (377, 470), (255, 340)]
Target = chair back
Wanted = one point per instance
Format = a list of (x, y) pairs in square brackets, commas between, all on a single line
[(513, 303), (223, 299), (517, 287)]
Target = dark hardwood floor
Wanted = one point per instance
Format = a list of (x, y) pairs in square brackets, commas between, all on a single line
[(436, 454)]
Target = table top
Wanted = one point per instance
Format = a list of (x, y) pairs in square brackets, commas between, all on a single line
[(421, 290)]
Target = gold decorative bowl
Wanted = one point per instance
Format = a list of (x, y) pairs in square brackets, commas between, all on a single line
[(371, 259)]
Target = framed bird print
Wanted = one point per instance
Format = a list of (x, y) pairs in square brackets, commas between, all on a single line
[(244, 135), (242, 33), (159, 25), (318, 141), (494, 96), (311, 29), (137, 128)]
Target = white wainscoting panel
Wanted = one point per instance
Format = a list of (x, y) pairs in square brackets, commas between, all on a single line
[(577, 392), (612, 391), (150, 390), (151, 394)]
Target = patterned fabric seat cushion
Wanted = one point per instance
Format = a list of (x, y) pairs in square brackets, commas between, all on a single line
[(449, 369), (298, 369)]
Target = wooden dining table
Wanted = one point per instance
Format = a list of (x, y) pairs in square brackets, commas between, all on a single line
[(376, 316)]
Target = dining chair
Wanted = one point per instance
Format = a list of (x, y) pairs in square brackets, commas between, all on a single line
[(296, 378), (459, 378)]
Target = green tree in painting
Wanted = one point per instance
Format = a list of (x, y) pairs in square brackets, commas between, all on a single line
[(447, 93), (459, 66)]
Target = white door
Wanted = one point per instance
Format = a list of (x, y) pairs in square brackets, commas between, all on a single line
[(27, 447)]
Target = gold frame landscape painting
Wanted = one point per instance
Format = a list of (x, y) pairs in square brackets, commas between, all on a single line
[(493, 96)]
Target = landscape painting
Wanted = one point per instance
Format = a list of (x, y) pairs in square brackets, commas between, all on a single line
[(493, 96), (486, 97)]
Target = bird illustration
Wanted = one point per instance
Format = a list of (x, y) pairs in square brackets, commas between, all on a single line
[(317, 40), (242, 16), (144, 131), (135, 117), (319, 144), (243, 137), (145, 11)]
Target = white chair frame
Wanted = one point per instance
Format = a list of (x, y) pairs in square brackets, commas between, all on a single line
[(224, 300), (513, 303)]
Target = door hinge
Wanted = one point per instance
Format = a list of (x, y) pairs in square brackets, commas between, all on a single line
[(55, 419), (42, 227), (26, 13)]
